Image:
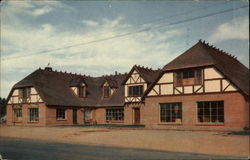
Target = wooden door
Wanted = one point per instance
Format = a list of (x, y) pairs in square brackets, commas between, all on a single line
[(136, 115), (74, 116)]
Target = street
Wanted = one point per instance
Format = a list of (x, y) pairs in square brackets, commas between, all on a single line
[(23, 149)]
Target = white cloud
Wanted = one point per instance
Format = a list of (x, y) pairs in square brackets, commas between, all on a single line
[(42, 11), (235, 29), (90, 23), (96, 59)]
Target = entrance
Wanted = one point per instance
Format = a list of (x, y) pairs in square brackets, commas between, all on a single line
[(136, 115), (74, 116)]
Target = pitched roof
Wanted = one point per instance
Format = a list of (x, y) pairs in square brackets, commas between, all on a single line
[(54, 88), (148, 74), (203, 54)]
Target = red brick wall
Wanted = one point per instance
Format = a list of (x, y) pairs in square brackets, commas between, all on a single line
[(236, 111), (52, 120), (25, 115), (129, 112)]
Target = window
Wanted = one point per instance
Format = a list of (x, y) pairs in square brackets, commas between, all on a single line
[(210, 112), (171, 112), (17, 115), (188, 77), (106, 91), (115, 114), (135, 90), (60, 113), (82, 91), (87, 114), (33, 114), (24, 92)]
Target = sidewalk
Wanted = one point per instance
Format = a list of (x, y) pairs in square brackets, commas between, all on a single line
[(179, 141)]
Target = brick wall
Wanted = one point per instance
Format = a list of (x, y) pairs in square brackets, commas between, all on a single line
[(52, 120), (236, 111), (25, 115)]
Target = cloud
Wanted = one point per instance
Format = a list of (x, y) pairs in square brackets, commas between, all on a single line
[(236, 29), (42, 11), (90, 23), (95, 59)]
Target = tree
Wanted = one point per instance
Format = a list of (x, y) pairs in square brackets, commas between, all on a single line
[(2, 107)]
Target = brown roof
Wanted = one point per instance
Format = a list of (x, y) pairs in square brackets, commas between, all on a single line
[(54, 88), (203, 54), (148, 74)]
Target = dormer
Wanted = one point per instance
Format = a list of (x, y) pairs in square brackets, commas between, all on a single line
[(106, 93), (79, 87)]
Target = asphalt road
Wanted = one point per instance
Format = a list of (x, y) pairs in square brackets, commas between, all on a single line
[(22, 149)]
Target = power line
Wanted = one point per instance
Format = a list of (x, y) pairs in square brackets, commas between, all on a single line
[(129, 33)]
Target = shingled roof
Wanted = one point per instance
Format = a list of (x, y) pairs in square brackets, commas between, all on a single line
[(54, 88), (203, 54), (148, 74)]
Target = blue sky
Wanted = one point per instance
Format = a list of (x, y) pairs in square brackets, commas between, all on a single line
[(28, 28)]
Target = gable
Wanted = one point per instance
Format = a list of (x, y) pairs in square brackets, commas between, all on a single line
[(15, 98), (135, 78), (213, 81)]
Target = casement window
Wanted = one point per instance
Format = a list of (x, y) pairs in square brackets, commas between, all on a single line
[(115, 114), (82, 91), (33, 114), (171, 112), (60, 114), (188, 77), (24, 92), (87, 114), (210, 112), (18, 115), (135, 90), (106, 91)]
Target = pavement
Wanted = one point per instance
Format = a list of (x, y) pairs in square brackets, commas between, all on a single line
[(24, 149), (200, 142)]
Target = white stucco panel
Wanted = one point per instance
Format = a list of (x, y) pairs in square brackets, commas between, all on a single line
[(167, 78), (188, 89), (33, 90), (211, 73), (167, 89), (180, 89), (15, 92), (74, 89), (156, 88), (212, 86), (152, 93)]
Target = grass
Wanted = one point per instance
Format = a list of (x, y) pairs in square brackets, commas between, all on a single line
[(242, 133)]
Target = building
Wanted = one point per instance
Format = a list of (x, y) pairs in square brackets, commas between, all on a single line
[(203, 88)]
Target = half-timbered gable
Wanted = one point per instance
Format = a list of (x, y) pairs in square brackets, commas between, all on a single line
[(192, 81), (24, 95), (137, 82), (201, 69)]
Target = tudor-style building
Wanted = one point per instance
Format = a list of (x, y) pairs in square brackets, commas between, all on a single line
[(203, 88)]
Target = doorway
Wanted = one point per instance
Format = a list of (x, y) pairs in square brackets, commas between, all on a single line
[(74, 116), (136, 115)]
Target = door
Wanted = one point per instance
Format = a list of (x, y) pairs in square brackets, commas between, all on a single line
[(74, 116), (136, 115)]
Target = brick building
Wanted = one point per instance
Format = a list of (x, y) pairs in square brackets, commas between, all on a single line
[(203, 88)]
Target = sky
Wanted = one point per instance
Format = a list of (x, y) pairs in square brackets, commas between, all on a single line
[(100, 37)]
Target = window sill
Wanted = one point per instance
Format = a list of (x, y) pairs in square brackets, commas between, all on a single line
[(17, 121), (61, 119), (114, 121), (33, 122), (210, 124), (161, 123)]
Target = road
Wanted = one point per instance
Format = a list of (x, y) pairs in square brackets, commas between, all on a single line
[(23, 149)]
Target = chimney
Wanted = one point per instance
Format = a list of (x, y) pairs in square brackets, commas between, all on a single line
[(115, 72)]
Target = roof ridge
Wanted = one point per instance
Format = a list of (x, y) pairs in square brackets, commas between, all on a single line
[(218, 50)]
